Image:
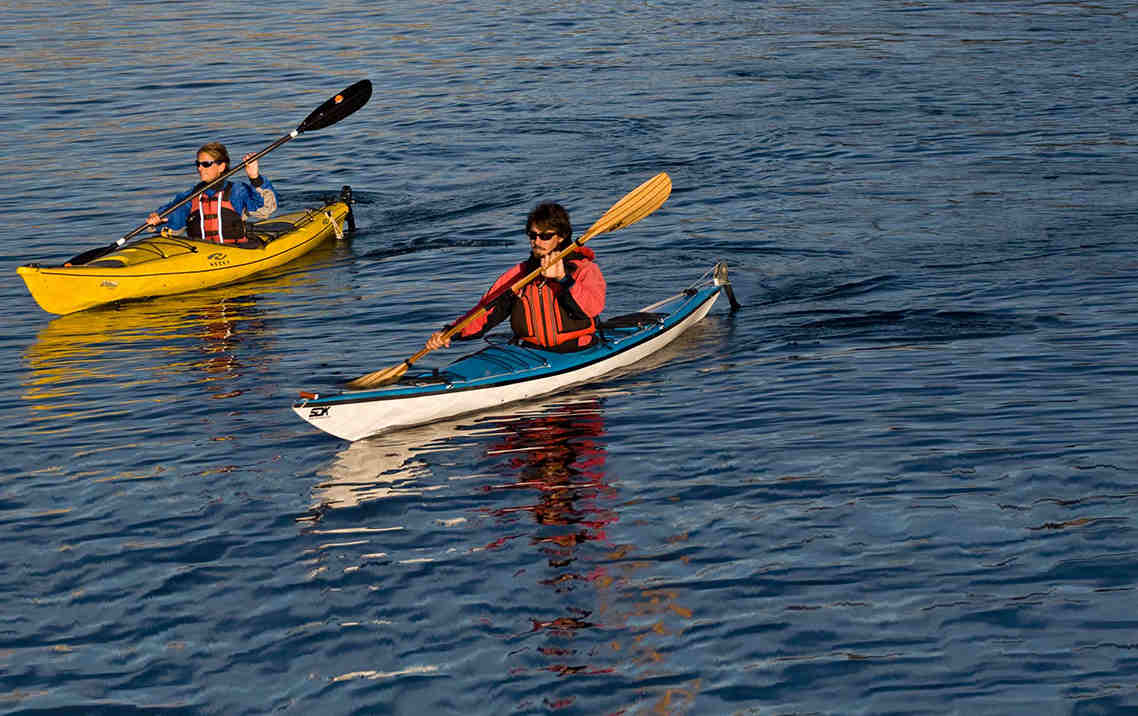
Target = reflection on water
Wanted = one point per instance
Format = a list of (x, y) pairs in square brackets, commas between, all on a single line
[(221, 335), (216, 334), (599, 621), (561, 456), (150, 365), (398, 463), (378, 468), (555, 464), (130, 345), (536, 500)]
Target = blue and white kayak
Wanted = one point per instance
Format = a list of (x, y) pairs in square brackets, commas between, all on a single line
[(505, 373)]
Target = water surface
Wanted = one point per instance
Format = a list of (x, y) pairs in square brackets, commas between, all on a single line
[(900, 480)]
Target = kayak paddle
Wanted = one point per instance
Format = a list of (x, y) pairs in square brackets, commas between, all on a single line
[(634, 206), (331, 111)]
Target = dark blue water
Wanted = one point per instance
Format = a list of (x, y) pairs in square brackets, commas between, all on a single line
[(901, 480)]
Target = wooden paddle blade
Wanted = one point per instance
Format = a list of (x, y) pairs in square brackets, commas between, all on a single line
[(337, 107), (634, 206), (379, 377)]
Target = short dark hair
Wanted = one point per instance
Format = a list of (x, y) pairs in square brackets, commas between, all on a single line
[(552, 217)]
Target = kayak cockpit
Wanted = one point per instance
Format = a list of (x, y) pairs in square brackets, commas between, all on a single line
[(514, 359)]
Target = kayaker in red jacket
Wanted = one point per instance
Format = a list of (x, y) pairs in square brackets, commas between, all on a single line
[(220, 213), (556, 311)]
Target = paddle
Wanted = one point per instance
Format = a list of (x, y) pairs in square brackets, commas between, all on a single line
[(635, 205), (331, 111)]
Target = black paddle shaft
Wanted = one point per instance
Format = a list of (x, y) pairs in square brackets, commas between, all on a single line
[(331, 111)]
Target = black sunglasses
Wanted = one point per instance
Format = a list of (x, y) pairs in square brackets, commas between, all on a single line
[(543, 235), (209, 164)]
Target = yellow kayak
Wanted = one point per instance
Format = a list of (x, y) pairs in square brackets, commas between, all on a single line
[(165, 265)]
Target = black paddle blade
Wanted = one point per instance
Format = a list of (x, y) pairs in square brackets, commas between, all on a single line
[(338, 107), (92, 254)]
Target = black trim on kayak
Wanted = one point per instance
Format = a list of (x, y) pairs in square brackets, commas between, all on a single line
[(632, 320), (151, 245), (269, 230), (364, 397)]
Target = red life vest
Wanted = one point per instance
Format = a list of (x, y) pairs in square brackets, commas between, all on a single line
[(539, 318), (215, 219)]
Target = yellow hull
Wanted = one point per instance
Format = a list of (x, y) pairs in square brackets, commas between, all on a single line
[(162, 266)]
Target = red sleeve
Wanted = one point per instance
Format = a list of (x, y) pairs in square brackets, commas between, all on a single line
[(503, 282), (588, 288)]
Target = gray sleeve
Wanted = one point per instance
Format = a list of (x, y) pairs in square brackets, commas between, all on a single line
[(269, 197)]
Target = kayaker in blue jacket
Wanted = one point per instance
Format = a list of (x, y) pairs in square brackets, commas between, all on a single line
[(219, 214)]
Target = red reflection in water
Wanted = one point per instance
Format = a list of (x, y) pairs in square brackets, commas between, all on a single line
[(223, 327), (561, 456)]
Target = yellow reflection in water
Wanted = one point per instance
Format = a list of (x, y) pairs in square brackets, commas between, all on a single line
[(143, 342)]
